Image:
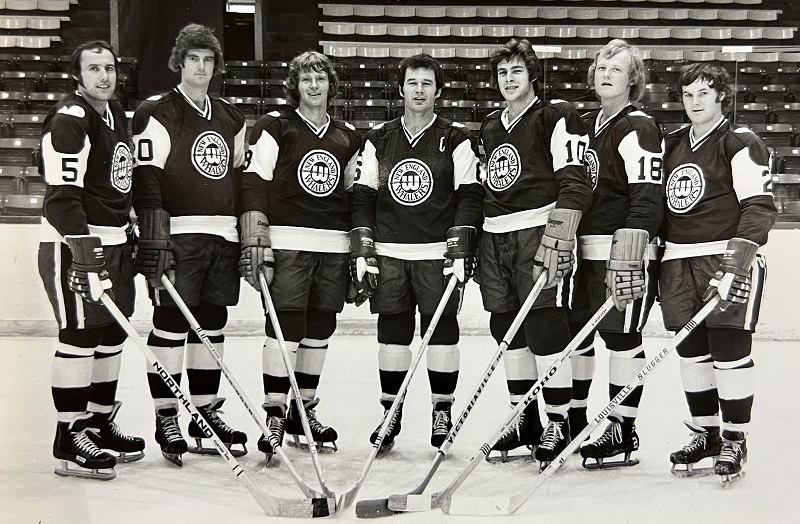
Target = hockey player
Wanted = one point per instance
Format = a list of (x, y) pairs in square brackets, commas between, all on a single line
[(295, 223), (537, 189), (86, 162), (188, 146), (416, 194), (719, 211), (623, 161)]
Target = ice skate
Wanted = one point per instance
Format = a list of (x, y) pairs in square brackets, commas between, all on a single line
[(321, 433), (276, 421), (226, 434), (394, 428), (73, 445), (441, 423), (108, 436), (577, 423), (554, 439), (169, 437), (706, 443), (731, 458), (617, 438), (525, 431)]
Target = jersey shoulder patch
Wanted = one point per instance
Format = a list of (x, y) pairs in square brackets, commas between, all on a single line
[(76, 111), (457, 124), (743, 130), (275, 114), (349, 126), (155, 97)]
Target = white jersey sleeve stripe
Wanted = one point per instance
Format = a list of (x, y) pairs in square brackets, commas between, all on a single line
[(368, 168), (64, 169), (641, 166), (153, 145), (240, 146), (264, 156), (350, 172), (749, 178), (465, 165), (567, 149)]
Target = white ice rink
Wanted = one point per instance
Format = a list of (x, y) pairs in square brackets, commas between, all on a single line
[(205, 490)]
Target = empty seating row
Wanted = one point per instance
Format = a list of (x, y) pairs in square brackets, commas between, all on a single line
[(34, 5), (10, 61), (39, 23), (28, 41), (54, 81)]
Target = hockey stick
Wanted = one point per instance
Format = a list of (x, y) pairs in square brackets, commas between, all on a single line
[(305, 488), (507, 505), (273, 316), (380, 507), (347, 497), (273, 507), (427, 502)]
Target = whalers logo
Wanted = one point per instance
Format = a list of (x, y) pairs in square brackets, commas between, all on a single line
[(318, 173), (592, 165), (121, 165), (410, 182), (502, 168), (684, 188), (210, 155)]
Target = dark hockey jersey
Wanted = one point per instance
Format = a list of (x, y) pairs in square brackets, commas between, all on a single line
[(716, 188), (533, 164), (86, 162), (186, 160), (624, 163), (297, 175), (412, 189)]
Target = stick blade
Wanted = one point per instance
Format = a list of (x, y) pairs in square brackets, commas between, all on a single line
[(484, 506), (410, 502), (371, 509), (307, 508)]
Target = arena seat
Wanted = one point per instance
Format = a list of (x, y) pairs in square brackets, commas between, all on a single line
[(751, 113), (18, 151), (23, 205), (584, 106), (370, 29), (456, 110), (42, 102), (12, 100), (404, 30), (340, 108), (485, 107), (27, 125), (364, 89), (667, 112), (703, 14), (8, 41), (770, 93), (673, 14), (490, 11), (368, 10), (21, 5), (274, 104), (431, 11), (53, 5), (336, 11), (612, 13), (786, 113), (21, 80), (276, 69), (732, 15), (246, 87), (461, 12), (789, 161), (13, 22), (369, 109), (244, 69), (775, 135), (399, 11), (442, 30), (250, 106)]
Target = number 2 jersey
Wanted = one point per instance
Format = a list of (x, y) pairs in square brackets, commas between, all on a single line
[(86, 162), (297, 175), (186, 160), (534, 163), (716, 188), (410, 189)]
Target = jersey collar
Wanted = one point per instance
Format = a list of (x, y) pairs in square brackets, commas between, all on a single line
[(598, 127), (510, 125), (413, 139), (107, 116), (697, 142), (319, 131), (203, 113)]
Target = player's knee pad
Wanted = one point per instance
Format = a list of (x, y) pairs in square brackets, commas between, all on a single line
[(211, 317), (170, 319), (446, 332), (499, 323), (621, 342), (81, 338), (113, 335), (695, 344), (547, 330), (729, 344), (293, 325), (320, 325), (397, 328)]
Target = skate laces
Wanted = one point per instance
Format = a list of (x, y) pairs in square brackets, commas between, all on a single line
[(85, 444), (275, 426), (170, 428), (441, 419), (315, 424), (552, 435), (612, 434), (730, 451), (513, 429), (698, 443)]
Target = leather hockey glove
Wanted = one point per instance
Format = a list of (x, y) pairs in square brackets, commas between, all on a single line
[(460, 254), (625, 267), (732, 279), (154, 254), (363, 264), (256, 248), (554, 255), (87, 276)]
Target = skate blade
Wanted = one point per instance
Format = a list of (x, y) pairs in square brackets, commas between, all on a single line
[(602, 464), (691, 471), (199, 449), (84, 473), (505, 457), (175, 458), (727, 481), (123, 457), (295, 442), (383, 450)]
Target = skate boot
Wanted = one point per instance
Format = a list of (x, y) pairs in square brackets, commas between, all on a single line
[(577, 423), (441, 424), (619, 437), (394, 428), (321, 433), (72, 444), (276, 420), (706, 443), (226, 434), (169, 437), (109, 436), (554, 439), (731, 458), (525, 431)]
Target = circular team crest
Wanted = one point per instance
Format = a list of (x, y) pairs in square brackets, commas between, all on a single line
[(210, 155), (685, 186), (410, 182), (592, 165), (502, 167), (121, 164), (318, 173)]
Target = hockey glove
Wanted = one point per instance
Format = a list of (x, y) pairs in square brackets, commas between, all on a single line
[(154, 255), (256, 248), (460, 254), (87, 276), (554, 255), (732, 279), (625, 267), (363, 264)]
